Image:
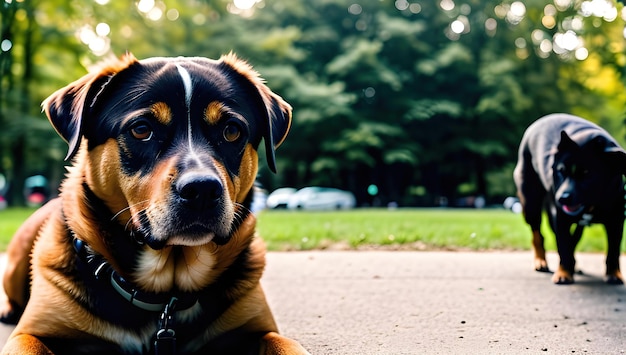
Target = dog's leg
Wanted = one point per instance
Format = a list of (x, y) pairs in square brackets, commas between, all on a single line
[(276, 344), (16, 274), (564, 275), (614, 237), (531, 195), (25, 344), (541, 264)]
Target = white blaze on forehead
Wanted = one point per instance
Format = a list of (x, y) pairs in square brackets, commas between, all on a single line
[(187, 83), (184, 74)]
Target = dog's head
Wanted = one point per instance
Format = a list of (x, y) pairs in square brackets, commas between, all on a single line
[(587, 174), (170, 144)]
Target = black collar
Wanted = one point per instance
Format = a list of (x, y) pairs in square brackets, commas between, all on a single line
[(101, 270), (114, 299), (166, 303), (585, 219)]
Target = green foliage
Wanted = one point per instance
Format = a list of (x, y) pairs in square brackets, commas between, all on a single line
[(385, 92)]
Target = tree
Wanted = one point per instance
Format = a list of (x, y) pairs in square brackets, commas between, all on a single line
[(421, 99)]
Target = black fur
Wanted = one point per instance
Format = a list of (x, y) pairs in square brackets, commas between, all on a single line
[(574, 168), (90, 111)]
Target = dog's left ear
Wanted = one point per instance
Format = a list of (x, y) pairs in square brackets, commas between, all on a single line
[(66, 108), (618, 158), (278, 123), (566, 143), (278, 111)]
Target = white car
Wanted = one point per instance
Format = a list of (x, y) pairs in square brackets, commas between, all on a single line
[(321, 198), (280, 197)]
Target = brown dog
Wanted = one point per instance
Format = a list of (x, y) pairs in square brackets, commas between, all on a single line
[(151, 246)]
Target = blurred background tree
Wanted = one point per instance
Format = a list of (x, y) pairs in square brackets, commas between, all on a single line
[(426, 99)]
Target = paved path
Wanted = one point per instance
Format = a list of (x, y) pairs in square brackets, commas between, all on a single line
[(384, 302)]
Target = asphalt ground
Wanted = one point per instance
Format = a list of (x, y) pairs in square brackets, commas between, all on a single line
[(405, 302)]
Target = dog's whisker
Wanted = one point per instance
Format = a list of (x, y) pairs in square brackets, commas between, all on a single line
[(120, 212), (128, 223), (240, 211), (127, 208)]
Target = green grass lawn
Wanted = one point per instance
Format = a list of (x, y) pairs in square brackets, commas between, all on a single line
[(421, 229), (10, 220)]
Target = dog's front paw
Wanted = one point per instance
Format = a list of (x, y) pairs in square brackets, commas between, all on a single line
[(276, 344), (10, 312), (25, 344), (562, 277), (541, 265), (614, 278)]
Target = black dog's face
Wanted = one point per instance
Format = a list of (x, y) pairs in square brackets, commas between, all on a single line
[(172, 143), (584, 176)]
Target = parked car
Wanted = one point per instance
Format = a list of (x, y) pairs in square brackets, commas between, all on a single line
[(512, 203), (280, 197), (321, 198)]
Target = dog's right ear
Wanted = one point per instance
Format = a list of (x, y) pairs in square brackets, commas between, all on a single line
[(67, 106)]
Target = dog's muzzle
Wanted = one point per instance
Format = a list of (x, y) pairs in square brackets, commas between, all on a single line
[(568, 205), (197, 212)]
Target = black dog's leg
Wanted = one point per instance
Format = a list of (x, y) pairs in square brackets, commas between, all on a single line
[(566, 245), (614, 232), (532, 194)]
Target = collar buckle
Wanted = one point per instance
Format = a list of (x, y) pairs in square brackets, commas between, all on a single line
[(165, 342)]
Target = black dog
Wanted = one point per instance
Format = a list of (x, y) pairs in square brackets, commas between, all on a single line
[(575, 168)]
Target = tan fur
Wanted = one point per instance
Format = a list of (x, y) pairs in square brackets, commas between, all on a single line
[(75, 206), (239, 186), (162, 112), (25, 344), (562, 276), (19, 251), (276, 344), (214, 112), (247, 173)]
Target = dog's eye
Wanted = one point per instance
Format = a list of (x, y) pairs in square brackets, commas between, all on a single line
[(232, 132), (560, 168), (141, 131)]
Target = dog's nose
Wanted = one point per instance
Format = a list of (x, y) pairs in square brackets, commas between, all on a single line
[(565, 198), (199, 191)]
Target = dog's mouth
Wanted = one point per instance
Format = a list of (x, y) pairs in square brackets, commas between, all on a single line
[(573, 210), (159, 227), (194, 236), (160, 235)]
